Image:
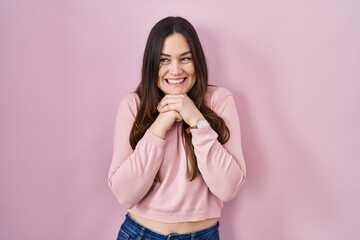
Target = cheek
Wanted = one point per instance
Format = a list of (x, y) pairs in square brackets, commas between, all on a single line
[(160, 73), (163, 68), (191, 70)]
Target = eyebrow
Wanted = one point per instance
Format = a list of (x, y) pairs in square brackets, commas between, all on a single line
[(168, 55)]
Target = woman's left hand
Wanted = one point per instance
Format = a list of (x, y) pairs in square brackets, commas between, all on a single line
[(183, 105)]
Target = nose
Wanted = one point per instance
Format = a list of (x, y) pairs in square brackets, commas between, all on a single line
[(175, 68)]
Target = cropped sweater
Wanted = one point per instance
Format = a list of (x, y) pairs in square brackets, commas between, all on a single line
[(176, 198)]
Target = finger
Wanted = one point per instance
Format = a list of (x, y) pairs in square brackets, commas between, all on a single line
[(168, 101), (171, 98), (169, 107)]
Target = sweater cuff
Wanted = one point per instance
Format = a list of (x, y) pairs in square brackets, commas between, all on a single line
[(203, 135)]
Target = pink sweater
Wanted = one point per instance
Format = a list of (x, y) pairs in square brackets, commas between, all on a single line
[(176, 199)]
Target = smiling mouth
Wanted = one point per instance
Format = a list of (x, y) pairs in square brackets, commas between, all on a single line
[(175, 81)]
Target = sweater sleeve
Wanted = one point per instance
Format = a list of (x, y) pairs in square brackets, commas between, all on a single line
[(132, 172), (222, 166)]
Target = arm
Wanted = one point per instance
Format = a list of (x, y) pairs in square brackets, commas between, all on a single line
[(132, 172), (222, 166)]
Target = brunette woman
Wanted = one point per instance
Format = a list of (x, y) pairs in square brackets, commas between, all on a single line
[(177, 148)]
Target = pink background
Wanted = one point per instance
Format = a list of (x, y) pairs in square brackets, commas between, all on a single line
[(293, 66)]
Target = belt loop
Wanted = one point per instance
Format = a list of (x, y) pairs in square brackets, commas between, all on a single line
[(171, 237), (141, 234)]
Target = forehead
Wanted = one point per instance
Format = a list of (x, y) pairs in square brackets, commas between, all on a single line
[(175, 44)]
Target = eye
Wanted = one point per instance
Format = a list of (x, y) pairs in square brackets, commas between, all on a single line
[(185, 59), (164, 60)]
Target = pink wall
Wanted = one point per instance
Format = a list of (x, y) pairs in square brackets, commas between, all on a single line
[(293, 66)]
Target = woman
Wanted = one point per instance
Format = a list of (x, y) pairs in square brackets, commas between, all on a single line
[(177, 149)]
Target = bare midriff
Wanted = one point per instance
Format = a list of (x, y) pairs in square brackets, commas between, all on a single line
[(181, 227)]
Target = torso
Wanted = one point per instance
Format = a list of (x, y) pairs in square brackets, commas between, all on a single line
[(181, 228), (173, 169)]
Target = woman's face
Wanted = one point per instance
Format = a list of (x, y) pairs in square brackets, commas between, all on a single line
[(176, 70)]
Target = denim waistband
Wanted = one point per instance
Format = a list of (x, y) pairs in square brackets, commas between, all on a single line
[(131, 226)]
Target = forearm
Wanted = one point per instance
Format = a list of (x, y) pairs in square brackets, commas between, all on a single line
[(131, 178), (223, 172)]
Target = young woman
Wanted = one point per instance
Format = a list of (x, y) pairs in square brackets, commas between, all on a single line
[(177, 148)]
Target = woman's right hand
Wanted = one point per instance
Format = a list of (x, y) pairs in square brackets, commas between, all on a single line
[(164, 122)]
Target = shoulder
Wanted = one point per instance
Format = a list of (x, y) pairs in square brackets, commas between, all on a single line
[(215, 95), (131, 98), (130, 101)]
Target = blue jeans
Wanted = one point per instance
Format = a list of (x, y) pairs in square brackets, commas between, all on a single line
[(132, 230)]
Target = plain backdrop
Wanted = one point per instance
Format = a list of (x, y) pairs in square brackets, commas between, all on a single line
[(293, 67)]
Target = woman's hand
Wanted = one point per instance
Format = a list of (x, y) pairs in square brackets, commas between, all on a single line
[(164, 122), (183, 105)]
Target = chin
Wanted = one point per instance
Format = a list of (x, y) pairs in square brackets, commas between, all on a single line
[(176, 88), (174, 92)]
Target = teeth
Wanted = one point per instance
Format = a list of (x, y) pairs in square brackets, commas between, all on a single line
[(175, 81)]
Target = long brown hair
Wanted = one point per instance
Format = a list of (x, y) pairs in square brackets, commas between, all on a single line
[(150, 95)]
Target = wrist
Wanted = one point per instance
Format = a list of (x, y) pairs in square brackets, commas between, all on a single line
[(157, 132), (202, 122), (195, 119), (158, 128)]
